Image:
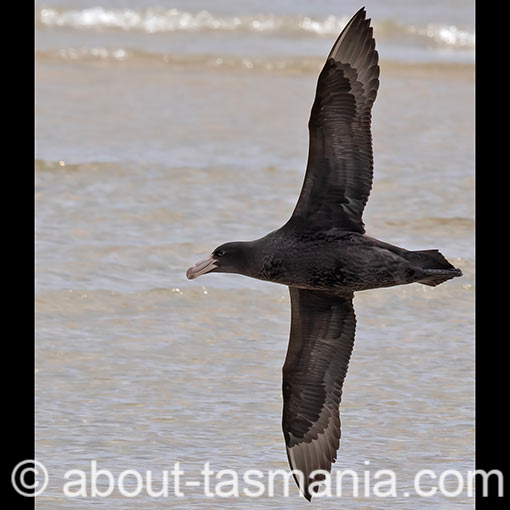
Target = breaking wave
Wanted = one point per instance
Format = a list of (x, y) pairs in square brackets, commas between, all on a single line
[(153, 20)]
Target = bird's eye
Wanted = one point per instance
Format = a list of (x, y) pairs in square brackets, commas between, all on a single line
[(219, 253)]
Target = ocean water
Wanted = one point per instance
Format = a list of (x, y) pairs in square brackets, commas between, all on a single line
[(165, 128)]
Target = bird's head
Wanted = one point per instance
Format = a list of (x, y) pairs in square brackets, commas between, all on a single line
[(227, 258)]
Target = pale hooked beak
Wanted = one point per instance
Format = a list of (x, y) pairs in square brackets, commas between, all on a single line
[(202, 267)]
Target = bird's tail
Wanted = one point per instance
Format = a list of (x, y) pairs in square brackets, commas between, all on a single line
[(437, 269)]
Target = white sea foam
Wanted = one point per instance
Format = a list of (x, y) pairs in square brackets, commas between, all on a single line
[(448, 35), (153, 20)]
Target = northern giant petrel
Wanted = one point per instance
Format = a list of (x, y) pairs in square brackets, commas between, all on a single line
[(324, 256)]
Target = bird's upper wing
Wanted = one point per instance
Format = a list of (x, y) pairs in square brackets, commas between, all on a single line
[(320, 346), (340, 162)]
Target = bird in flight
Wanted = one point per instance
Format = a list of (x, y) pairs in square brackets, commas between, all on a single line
[(323, 254)]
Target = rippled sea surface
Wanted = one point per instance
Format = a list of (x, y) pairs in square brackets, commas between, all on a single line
[(164, 129)]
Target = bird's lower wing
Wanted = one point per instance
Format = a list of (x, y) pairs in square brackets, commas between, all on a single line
[(320, 346)]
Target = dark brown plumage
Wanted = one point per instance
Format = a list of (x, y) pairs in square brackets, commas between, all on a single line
[(340, 163), (323, 254), (313, 376)]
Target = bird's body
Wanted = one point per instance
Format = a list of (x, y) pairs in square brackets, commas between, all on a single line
[(324, 255), (339, 261)]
